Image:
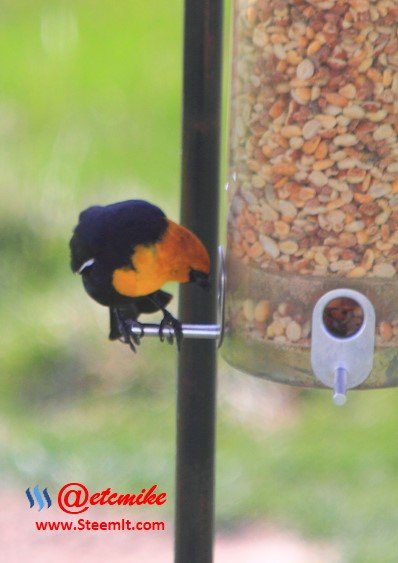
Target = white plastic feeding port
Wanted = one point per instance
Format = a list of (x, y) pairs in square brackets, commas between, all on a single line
[(342, 361)]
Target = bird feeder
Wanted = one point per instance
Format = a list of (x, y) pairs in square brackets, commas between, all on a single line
[(312, 254)]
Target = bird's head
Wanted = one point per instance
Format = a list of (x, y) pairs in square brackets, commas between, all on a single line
[(81, 257), (85, 241)]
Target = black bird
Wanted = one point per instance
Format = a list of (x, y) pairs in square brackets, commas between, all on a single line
[(125, 252)]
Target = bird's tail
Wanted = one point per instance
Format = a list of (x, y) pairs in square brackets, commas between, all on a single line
[(137, 307)]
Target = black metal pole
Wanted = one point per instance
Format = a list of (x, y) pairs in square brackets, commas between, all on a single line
[(199, 212)]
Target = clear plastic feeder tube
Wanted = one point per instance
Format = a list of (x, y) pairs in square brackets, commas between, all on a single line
[(313, 180)]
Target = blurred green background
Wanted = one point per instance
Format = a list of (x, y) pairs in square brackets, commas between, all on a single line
[(90, 110)]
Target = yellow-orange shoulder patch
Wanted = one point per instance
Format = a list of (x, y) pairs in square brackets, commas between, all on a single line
[(170, 259)]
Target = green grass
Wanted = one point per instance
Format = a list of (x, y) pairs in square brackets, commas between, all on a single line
[(93, 93), (332, 475), (90, 110)]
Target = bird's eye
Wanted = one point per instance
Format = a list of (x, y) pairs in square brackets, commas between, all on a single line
[(85, 265)]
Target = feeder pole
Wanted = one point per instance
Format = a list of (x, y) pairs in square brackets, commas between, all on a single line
[(196, 395)]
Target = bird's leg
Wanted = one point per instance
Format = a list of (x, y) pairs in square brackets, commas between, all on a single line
[(168, 322), (125, 326)]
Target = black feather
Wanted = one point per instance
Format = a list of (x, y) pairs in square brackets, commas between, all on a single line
[(110, 233)]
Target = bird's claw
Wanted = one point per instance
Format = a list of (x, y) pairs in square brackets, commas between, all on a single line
[(173, 327), (136, 338), (128, 336)]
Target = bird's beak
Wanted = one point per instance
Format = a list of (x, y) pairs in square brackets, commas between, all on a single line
[(200, 278), (85, 265)]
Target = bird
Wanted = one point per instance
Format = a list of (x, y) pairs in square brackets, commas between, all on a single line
[(125, 252)]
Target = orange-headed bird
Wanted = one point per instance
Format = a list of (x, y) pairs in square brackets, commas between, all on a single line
[(125, 252)]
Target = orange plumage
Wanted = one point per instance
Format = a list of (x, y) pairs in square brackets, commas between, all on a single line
[(171, 259)]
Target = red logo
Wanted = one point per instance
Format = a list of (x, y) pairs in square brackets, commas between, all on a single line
[(75, 498)]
